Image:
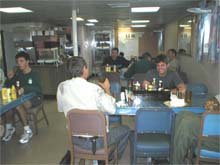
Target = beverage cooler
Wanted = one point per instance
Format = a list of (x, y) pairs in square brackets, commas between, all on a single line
[(103, 43)]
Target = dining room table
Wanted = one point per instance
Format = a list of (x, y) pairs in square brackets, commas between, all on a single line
[(6, 105), (142, 101)]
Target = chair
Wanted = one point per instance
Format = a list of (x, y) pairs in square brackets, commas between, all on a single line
[(209, 128), (152, 135), (92, 124), (33, 114), (197, 89)]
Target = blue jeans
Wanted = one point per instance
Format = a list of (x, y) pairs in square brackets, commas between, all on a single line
[(117, 135)]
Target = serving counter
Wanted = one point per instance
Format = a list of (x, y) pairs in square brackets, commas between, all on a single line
[(51, 75)]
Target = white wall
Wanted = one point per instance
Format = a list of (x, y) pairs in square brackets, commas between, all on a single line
[(170, 39), (203, 72)]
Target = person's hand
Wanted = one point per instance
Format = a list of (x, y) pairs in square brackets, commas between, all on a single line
[(21, 91), (145, 82), (181, 88), (10, 74), (106, 86)]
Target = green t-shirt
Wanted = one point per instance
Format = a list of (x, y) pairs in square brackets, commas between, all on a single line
[(30, 82)]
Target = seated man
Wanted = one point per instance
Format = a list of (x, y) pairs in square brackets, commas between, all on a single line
[(29, 82), (79, 93), (114, 59), (170, 79), (187, 126), (2, 78), (141, 66), (173, 63)]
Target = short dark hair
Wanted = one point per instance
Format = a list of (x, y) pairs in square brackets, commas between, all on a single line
[(161, 58), (22, 55), (115, 49), (146, 55), (75, 66), (173, 51)]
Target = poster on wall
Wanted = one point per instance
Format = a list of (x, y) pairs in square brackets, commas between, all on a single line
[(129, 43)]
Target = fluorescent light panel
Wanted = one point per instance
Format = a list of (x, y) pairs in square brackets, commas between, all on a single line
[(140, 21), (119, 5), (138, 26), (89, 24), (78, 19), (15, 10), (93, 20), (184, 25), (144, 9)]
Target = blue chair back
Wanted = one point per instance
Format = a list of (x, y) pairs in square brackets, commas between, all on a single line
[(210, 127), (197, 89), (152, 135), (151, 120)]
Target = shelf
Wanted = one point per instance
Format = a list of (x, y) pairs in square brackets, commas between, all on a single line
[(102, 48)]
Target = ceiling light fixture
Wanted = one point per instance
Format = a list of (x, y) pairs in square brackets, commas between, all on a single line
[(198, 10), (119, 5), (15, 10), (184, 26), (90, 24), (140, 21), (138, 26), (144, 9), (93, 20), (78, 19)]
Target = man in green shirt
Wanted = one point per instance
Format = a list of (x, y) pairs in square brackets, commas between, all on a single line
[(29, 82), (143, 65), (186, 133)]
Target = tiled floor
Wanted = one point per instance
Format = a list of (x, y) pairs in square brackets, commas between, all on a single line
[(47, 147)]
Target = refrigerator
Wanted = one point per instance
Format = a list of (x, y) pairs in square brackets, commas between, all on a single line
[(103, 42)]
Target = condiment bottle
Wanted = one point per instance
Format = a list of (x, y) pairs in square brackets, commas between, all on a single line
[(13, 93)]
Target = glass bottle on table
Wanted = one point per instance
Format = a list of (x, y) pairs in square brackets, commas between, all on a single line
[(154, 87), (130, 93), (160, 87), (18, 87)]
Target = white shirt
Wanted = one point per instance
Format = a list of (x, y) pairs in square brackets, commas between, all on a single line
[(218, 98), (81, 94)]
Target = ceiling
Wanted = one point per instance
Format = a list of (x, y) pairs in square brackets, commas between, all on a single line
[(58, 12)]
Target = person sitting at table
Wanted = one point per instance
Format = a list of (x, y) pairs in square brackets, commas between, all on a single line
[(173, 63), (29, 82), (170, 79), (141, 66), (124, 61), (2, 78), (186, 133), (79, 93), (114, 59)]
